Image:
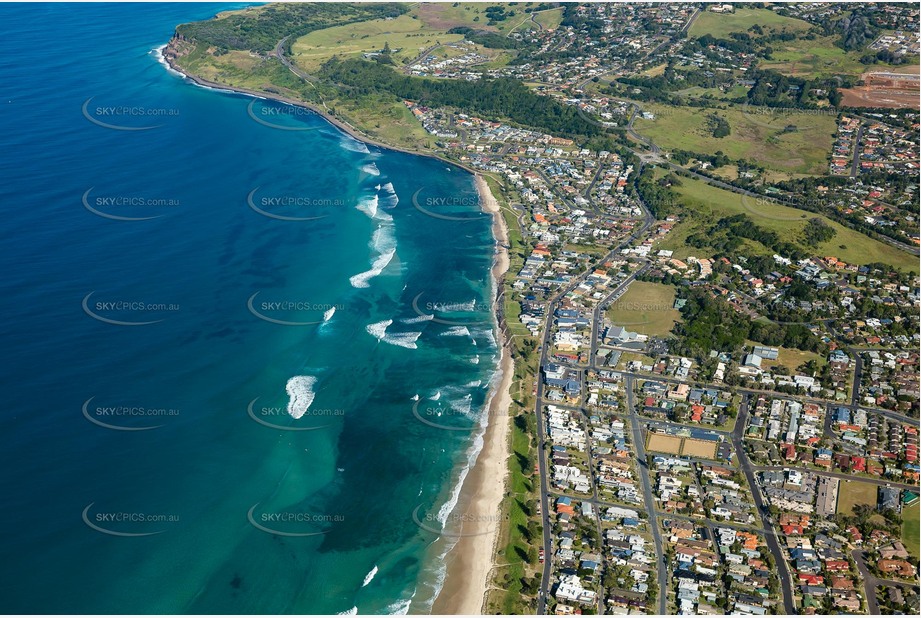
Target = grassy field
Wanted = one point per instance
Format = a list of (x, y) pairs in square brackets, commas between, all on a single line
[(628, 357), (385, 119), (714, 203), (407, 37), (720, 25), (811, 59), (446, 15), (550, 19), (754, 135), (911, 529), (852, 493), (646, 308), (791, 358), (698, 92)]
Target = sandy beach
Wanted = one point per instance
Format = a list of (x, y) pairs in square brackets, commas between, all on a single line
[(471, 560)]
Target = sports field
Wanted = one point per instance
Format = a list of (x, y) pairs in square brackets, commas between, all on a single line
[(646, 308), (698, 448), (662, 443)]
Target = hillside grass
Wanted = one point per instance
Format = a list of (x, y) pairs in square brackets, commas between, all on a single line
[(754, 135), (721, 25), (406, 35), (713, 203)]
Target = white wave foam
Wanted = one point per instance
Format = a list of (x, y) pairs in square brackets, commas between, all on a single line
[(385, 244), (462, 406), (349, 612), (416, 320), (399, 608), (361, 279), (488, 334), (456, 331), (415, 397), (371, 168), (436, 396), (353, 145), (300, 394), (404, 340), (391, 199), (369, 576), (378, 330), (369, 206), (473, 384), (157, 53), (475, 360)]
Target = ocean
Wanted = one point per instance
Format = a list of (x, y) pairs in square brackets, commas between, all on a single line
[(245, 355)]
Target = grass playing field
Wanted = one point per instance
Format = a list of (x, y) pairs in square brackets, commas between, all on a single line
[(646, 308)]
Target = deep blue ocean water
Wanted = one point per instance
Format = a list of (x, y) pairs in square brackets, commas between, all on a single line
[(135, 474)]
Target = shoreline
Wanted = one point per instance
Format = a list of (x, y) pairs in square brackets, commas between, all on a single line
[(470, 562), (170, 60)]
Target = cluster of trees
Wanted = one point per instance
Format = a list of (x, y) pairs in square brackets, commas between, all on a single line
[(262, 29), (711, 323), (488, 39), (718, 126), (727, 234), (493, 98), (773, 89), (497, 13), (717, 159), (657, 194), (816, 232)]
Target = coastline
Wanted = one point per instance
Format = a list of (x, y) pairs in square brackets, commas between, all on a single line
[(470, 562), (169, 59)]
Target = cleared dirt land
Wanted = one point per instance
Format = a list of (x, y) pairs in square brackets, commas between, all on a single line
[(886, 88)]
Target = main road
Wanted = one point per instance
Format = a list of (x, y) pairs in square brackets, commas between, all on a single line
[(643, 465), (541, 432), (780, 561)]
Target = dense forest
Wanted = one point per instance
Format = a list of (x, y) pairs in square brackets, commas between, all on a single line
[(494, 98)]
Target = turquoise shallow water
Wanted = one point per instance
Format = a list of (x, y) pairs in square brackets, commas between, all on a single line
[(213, 511)]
